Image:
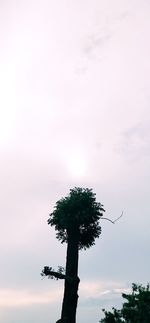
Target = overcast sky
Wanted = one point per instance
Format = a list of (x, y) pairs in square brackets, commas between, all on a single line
[(74, 111)]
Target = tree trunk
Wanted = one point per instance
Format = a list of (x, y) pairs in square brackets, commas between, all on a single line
[(70, 299)]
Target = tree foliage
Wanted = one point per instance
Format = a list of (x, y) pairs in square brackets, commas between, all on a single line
[(135, 309), (80, 211)]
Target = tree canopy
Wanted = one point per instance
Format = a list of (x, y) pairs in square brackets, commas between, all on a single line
[(78, 211), (135, 309)]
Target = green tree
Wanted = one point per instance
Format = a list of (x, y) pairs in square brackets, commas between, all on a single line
[(135, 309), (76, 221)]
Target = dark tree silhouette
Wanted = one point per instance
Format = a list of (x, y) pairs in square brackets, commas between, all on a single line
[(76, 220), (135, 309)]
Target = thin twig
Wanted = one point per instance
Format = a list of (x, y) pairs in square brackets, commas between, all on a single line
[(111, 220), (118, 217)]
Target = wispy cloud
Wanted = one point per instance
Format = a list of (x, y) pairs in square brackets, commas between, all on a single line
[(135, 142), (93, 292)]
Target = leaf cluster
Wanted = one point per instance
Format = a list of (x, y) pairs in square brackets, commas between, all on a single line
[(78, 212), (52, 273)]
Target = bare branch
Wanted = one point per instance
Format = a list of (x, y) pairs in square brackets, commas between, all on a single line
[(118, 217), (113, 220), (108, 220)]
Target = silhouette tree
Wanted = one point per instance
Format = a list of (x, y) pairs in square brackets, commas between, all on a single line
[(76, 220), (136, 308)]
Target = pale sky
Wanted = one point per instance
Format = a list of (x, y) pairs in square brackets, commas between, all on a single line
[(74, 111)]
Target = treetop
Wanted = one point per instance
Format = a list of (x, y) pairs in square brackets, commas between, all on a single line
[(78, 211)]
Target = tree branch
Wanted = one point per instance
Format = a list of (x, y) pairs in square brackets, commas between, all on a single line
[(48, 271), (113, 220)]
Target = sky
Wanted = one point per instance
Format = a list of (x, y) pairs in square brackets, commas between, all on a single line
[(74, 111)]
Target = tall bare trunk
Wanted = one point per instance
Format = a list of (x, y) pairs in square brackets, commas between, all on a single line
[(70, 299)]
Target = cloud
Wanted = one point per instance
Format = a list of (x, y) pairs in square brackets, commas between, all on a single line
[(18, 298), (94, 292), (107, 26), (90, 292), (135, 142), (94, 43)]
